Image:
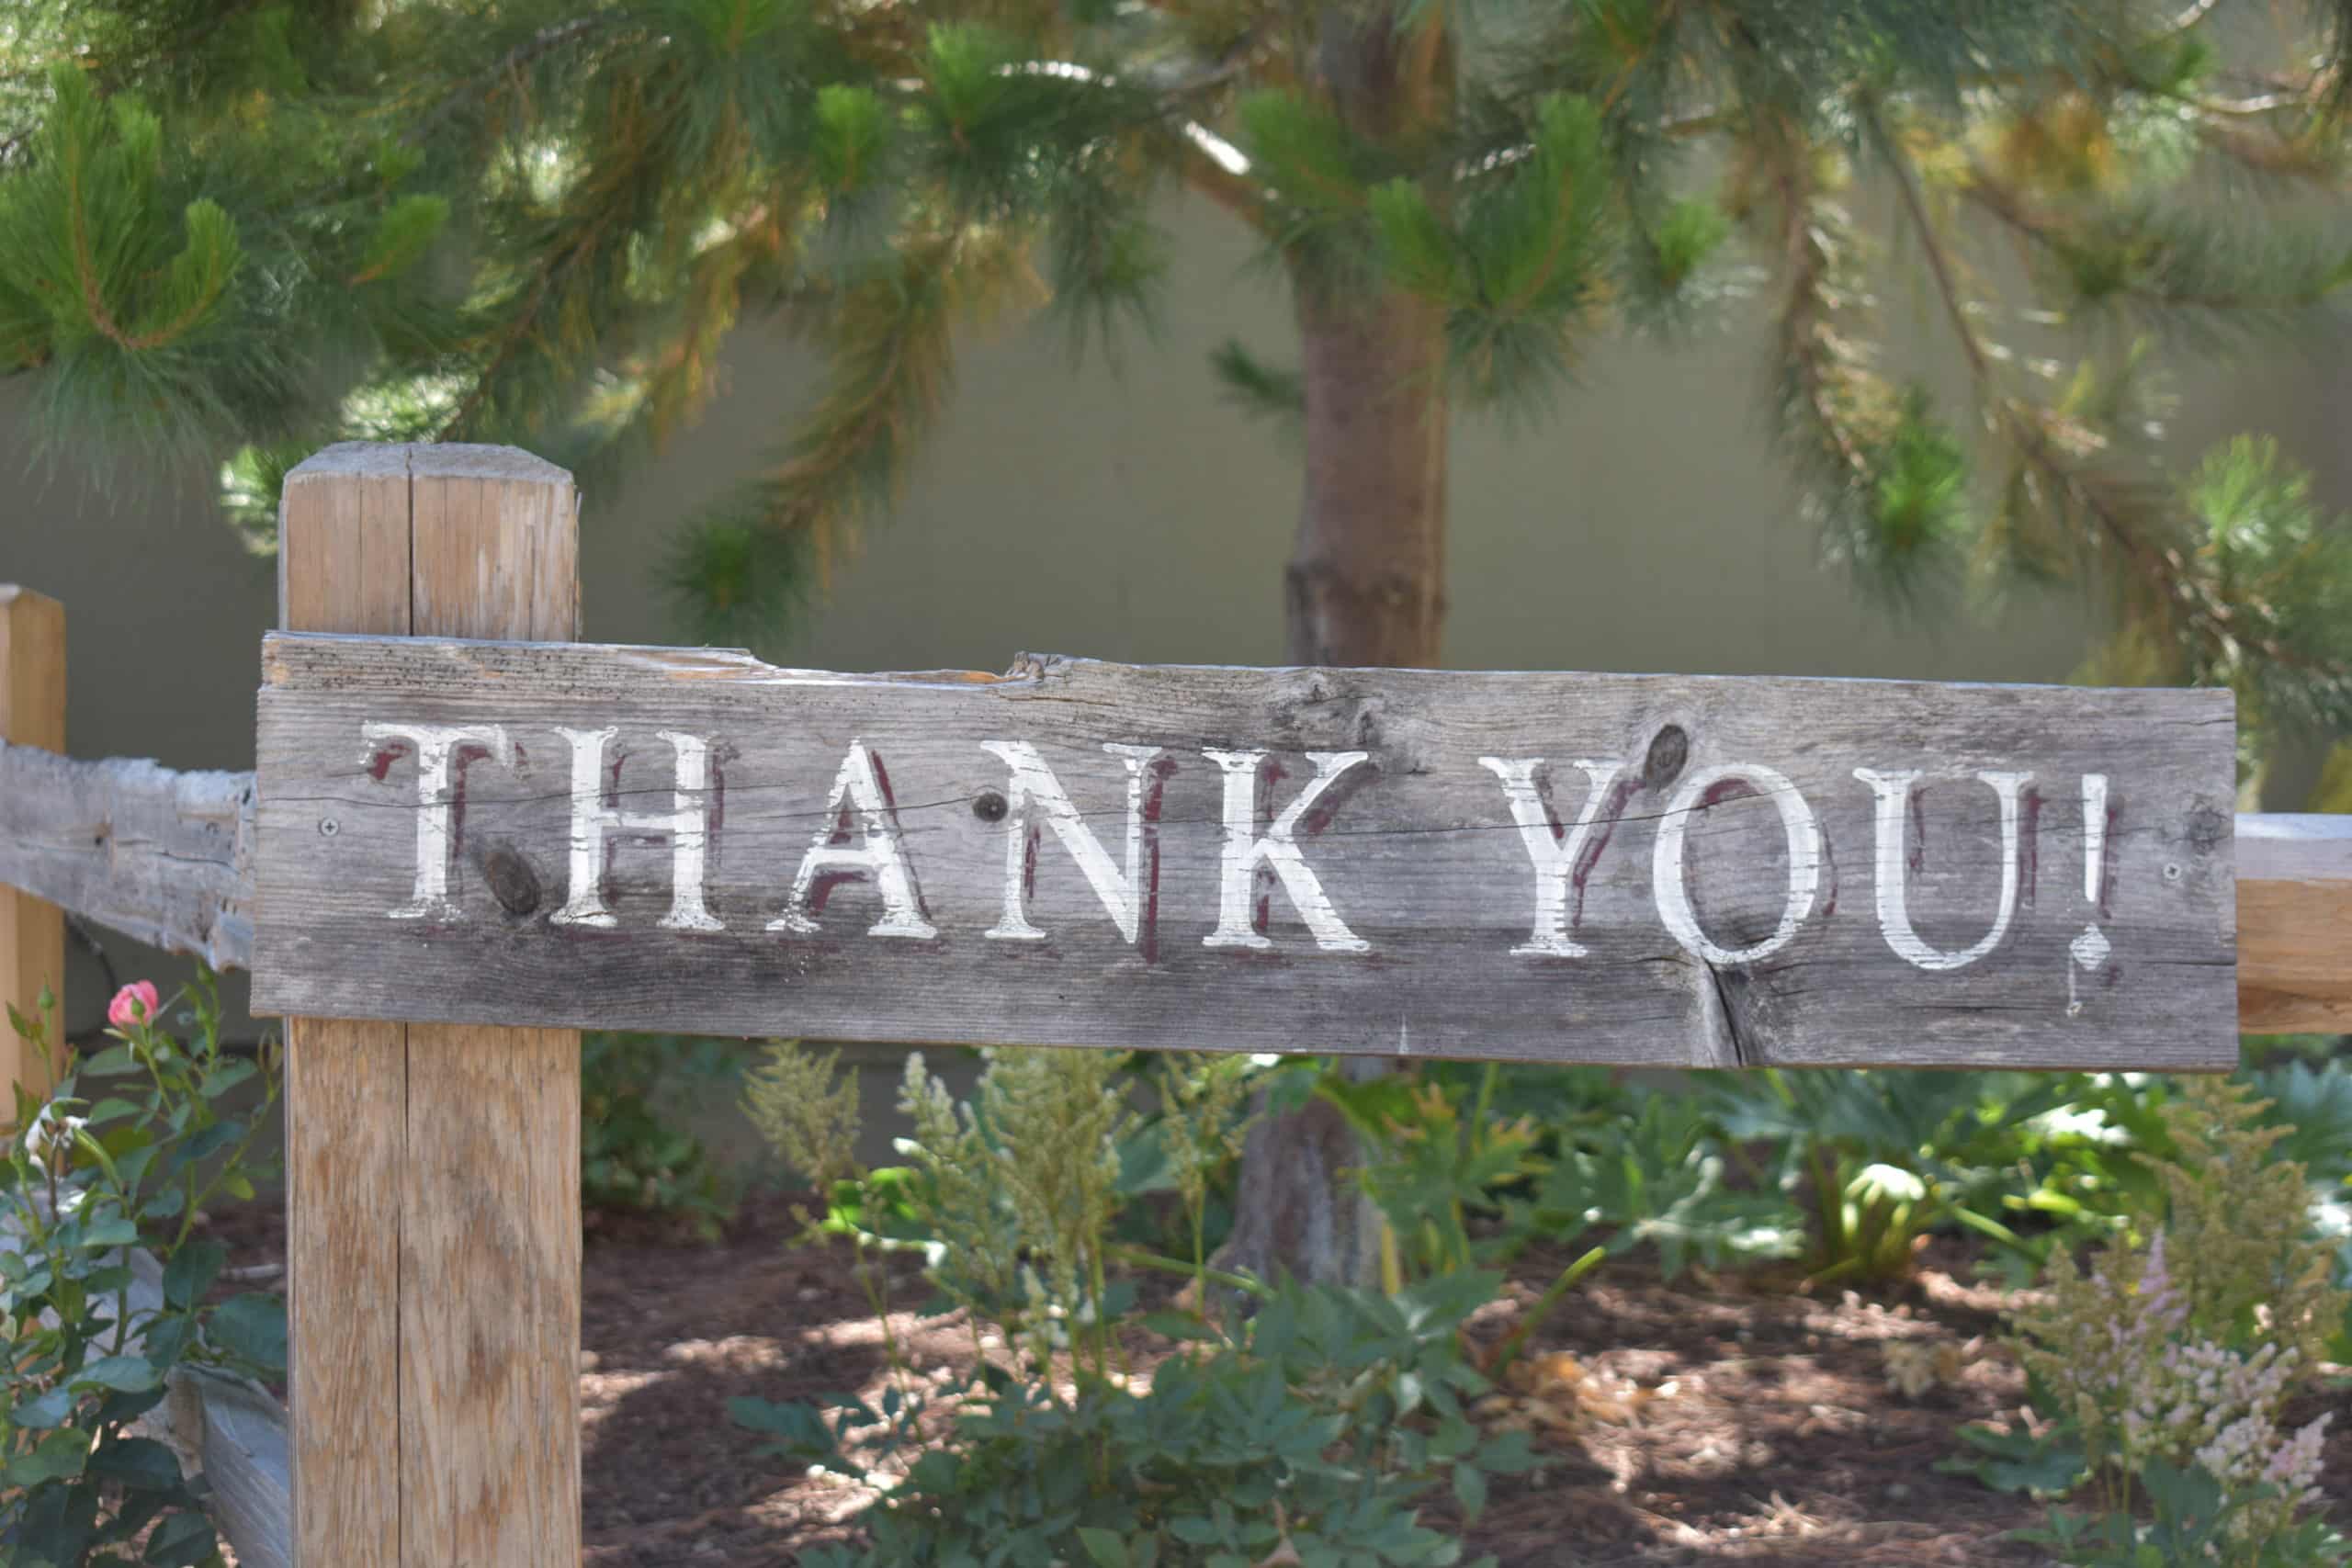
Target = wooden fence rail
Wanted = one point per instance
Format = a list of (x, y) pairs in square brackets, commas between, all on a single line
[(162, 856), (167, 858)]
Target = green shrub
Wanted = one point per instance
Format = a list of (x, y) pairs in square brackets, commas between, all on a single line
[(2168, 1362), (636, 1155), (1882, 1159), (2192, 1518), (128, 1151), (1463, 1186), (1317, 1424)]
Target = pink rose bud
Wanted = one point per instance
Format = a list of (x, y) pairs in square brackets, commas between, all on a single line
[(134, 1004)]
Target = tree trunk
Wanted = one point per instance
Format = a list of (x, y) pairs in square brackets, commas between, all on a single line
[(1366, 586), (1366, 579)]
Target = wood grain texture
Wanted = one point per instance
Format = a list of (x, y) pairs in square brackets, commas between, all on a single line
[(490, 1246), (2294, 897), (490, 1315), (346, 1107), (437, 1422), (167, 858), (163, 856), (33, 932), (1416, 848), (342, 566)]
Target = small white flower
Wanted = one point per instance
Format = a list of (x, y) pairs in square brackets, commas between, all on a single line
[(49, 1130)]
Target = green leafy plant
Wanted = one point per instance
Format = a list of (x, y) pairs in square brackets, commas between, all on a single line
[(126, 1154), (1436, 1157), (1463, 1185), (2171, 1356), (1308, 1435), (1198, 1135), (2192, 1517), (636, 1155), (2084, 1168), (1656, 1176), (1313, 1426), (1884, 1158)]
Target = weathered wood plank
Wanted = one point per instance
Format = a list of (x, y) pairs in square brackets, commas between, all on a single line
[(342, 564), (490, 1179), (490, 1393), (1710, 871), (435, 1195), (237, 1431), (32, 932), (160, 856), (183, 879), (2294, 901)]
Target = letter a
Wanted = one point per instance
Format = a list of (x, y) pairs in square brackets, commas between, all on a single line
[(858, 794)]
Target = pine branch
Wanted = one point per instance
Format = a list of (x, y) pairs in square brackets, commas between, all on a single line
[(519, 329), (2169, 585), (2169, 261), (478, 89), (2191, 15), (892, 361), (1940, 263), (1230, 188)]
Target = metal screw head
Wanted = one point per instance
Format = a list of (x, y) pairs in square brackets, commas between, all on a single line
[(989, 805), (329, 826), (2172, 874)]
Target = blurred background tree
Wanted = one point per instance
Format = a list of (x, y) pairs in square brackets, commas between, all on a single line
[(248, 227)]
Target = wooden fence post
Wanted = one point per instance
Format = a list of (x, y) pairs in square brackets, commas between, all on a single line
[(32, 934), (433, 1171)]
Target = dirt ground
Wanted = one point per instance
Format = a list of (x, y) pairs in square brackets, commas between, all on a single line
[(1735, 1420)]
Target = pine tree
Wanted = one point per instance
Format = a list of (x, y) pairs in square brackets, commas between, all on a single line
[(249, 226)]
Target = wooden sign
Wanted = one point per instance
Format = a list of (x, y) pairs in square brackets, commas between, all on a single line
[(1599, 868)]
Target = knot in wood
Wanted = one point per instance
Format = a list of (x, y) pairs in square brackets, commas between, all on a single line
[(1669, 751), (511, 880)]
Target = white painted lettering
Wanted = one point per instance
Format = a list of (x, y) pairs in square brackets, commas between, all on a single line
[(1554, 852), (1669, 873), (436, 747), (1894, 792), (1248, 853), (858, 803), (687, 827), (1033, 783)]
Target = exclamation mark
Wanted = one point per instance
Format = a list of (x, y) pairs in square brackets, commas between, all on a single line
[(2091, 948)]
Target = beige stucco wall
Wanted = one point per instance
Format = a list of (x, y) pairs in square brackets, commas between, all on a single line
[(1131, 516)]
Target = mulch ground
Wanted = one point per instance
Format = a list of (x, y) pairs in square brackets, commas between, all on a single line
[(1736, 1420)]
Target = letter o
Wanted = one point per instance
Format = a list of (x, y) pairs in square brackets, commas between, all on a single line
[(1668, 874)]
